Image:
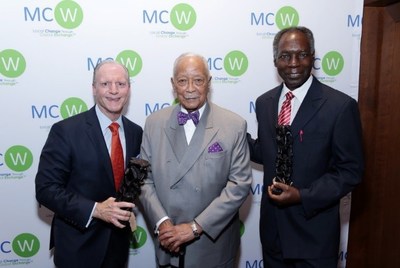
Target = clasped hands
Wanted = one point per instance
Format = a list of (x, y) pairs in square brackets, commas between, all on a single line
[(290, 195), (172, 237), (114, 212)]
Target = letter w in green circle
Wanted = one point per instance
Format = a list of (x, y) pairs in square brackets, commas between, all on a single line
[(286, 17), (332, 63), (236, 63), (12, 63), (68, 14), (26, 245), (183, 17), (132, 61), (18, 158), (139, 238)]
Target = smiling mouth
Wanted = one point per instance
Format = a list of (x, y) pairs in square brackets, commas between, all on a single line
[(294, 75), (191, 98)]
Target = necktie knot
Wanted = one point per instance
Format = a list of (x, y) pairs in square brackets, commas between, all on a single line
[(289, 96), (184, 117), (286, 109), (114, 128)]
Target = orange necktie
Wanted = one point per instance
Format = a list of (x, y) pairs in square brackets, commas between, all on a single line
[(284, 114), (117, 156)]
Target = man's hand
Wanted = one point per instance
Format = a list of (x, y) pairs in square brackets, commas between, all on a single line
[(113, 212), (289, 196), (172, 237)]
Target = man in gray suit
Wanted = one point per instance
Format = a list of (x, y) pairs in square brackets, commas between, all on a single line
[(200, 176)]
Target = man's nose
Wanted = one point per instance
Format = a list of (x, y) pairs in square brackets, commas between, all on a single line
[(294, 60)]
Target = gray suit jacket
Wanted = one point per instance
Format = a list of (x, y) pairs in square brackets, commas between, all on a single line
[(188, 182)]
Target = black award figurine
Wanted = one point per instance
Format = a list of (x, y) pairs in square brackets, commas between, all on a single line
[(135, 174), (284, 157)]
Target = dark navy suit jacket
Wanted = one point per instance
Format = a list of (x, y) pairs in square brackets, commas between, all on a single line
[(327, 164), (75, 172)]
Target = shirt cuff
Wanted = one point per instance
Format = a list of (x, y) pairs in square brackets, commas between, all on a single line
[(158, 224), (91, 215)]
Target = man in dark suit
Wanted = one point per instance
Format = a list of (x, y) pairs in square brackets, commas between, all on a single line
[(299, 223), (200, 176), (75, 177)]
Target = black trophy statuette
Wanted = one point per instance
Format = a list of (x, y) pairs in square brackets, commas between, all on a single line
[(284, 157), (135, 174)]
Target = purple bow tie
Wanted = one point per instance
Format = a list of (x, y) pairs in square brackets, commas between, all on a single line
[(184, 117)]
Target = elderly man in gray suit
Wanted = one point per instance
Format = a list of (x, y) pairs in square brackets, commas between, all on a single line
[(201, 173)]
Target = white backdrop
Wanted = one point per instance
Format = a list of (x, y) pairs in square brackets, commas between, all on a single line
[(48, 50)]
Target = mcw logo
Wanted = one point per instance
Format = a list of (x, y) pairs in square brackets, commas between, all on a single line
[(12, 63), (236, 63), (183, 17), (18, 158), (139, 238), (68, 14), (24, 245), (332, 63)]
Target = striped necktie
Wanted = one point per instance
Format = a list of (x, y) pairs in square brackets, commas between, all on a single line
[(284, 115)]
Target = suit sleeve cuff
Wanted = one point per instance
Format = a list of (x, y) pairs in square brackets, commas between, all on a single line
[(91, 216), (158, 224)]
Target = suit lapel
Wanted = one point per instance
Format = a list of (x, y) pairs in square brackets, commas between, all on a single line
[(94, 132), (271, 109), (129, 143), (176, 135), (312, 102), (205, 131)]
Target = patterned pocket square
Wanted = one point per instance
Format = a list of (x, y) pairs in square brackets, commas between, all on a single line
[(215, 148)]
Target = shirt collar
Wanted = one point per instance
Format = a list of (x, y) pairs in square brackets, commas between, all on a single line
[(299, 92), (105, 121), (201, 110)]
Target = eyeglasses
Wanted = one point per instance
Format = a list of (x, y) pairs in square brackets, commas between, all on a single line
[(197, 81), (108, 84)]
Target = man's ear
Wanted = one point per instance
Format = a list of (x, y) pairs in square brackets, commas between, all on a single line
[(172, 84)]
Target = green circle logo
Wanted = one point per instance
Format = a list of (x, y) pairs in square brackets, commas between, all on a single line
[(175, 101), (139, 238), (18, 158), (26, 245), (183, 17), (332, 63), (72, 106), (68, 14), (236, 63), (12, 63), (242, 228), (286, 17), (131, 60)]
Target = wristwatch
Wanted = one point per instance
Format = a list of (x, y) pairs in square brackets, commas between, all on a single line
[(194, 229)]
